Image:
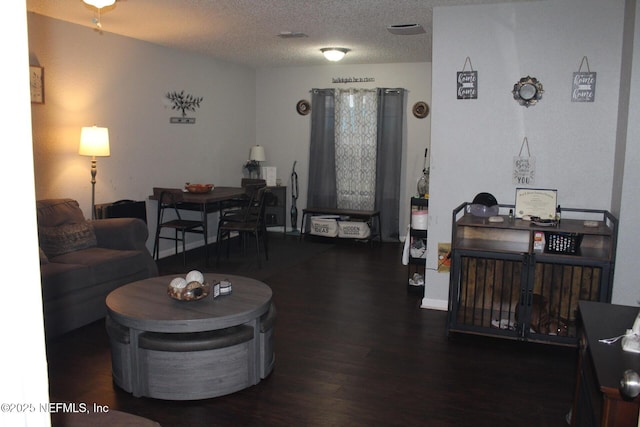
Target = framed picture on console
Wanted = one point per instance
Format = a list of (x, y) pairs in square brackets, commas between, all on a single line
[(536, 202), (36, 81)]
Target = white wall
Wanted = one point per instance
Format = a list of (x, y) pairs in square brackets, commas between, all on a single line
[(23, 364), (626, 290), (121, 83), (474, 141), (285, 134)]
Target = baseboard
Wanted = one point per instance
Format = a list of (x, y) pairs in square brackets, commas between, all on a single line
[(435, 304)]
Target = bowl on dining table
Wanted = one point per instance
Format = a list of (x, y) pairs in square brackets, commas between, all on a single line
[(198, 188)]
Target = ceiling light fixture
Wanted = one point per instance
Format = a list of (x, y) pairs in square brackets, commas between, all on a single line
[(334, 53), (99, 4)]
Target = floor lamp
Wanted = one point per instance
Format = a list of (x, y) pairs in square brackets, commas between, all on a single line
[(94, 142)]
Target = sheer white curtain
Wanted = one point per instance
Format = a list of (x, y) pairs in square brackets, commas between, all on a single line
[(355, 148)]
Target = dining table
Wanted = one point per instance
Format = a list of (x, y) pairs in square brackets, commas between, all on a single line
[(206, 203)]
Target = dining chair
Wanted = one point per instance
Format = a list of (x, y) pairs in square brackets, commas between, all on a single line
[(168, 217), (248, 208), (233, 207), (247, 222)]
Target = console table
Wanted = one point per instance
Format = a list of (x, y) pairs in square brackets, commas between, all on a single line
[(505, 282), (184, 350)]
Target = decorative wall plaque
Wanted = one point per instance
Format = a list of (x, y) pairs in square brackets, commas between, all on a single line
[(583, 87), (183, 102), (303, 107), (524, 167), (527, 91), (421, 109), (36, 78), (467, 82)]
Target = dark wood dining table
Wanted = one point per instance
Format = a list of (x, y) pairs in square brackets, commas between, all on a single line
[(206, 203)]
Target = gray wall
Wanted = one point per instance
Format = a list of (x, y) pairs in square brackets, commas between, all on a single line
[(627, 195)]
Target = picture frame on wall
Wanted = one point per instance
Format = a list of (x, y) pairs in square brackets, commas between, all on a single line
[(36, 82)]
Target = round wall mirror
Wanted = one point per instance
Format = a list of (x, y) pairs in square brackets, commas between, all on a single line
[(527, 91)]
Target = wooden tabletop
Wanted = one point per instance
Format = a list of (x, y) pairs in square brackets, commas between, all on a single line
[(218, 194), (145, 305), (602, 320)]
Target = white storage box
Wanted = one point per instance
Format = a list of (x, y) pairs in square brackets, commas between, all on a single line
[(419, 220), (324, 225), (353, 229)]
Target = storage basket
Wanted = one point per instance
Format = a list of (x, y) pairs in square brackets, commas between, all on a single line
[(562, 243), (324, 225), (353, 229), (419, 219)]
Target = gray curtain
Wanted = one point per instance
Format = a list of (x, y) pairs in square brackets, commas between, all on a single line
[(389, 160), (321, 188), (321, 191)]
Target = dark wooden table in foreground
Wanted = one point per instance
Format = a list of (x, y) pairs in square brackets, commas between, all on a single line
[(598, 401)]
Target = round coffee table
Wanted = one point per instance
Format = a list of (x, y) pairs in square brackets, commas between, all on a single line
[(183, 350)]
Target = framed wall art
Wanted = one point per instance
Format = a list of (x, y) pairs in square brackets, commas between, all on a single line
[(36, 82)]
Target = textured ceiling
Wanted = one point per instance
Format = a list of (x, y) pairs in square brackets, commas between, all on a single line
[(246, 31)]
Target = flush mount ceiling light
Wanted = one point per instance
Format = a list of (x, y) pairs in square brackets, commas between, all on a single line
[(99, 4), (334, 53)]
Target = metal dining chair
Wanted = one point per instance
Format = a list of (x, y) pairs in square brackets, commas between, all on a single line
[(249, 221), (168, 217)]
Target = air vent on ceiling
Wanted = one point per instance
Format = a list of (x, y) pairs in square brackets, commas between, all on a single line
[(291, 35), (406, 29)]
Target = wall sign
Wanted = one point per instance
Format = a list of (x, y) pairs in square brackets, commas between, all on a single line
[(467, 82), (583, 87), (347, 80), (524, 167)]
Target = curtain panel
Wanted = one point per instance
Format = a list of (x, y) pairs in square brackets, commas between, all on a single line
[(356, 139), (391, 109), (322, 185)]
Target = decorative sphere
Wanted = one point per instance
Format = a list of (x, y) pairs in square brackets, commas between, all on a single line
[(178, 283), (195, 276)]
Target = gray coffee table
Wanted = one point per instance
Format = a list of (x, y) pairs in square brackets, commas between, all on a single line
[(182, 350)]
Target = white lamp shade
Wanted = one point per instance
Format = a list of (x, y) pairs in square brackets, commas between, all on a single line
[(94, 141), (257, 153), (334, 53), (99, 3)]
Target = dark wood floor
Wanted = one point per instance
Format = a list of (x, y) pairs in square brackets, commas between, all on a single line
[(353, 348)]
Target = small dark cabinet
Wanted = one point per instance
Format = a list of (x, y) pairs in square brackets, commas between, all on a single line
[(275, 214), (505, 282)]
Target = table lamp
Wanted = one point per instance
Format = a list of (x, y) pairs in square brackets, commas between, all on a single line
[(256, 155), (94, 142)]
